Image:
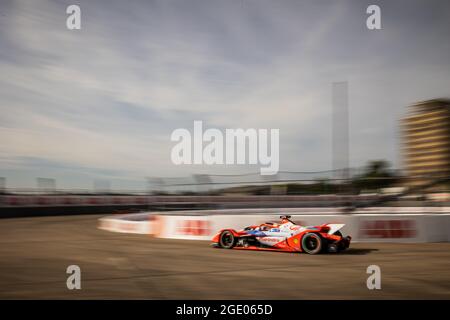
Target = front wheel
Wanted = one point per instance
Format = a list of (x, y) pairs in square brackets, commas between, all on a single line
[(312, 243), (227, 240)]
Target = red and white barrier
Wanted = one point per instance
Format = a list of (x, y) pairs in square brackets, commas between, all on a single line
[(204, 227), (132, 223), (366, 227), (184, 227)]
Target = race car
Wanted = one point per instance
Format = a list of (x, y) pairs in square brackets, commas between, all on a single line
[(285, 236)]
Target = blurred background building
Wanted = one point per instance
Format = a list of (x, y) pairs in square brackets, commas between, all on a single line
[(426, 138)]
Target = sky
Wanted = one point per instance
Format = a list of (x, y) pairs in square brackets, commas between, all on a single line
[(100, 103)]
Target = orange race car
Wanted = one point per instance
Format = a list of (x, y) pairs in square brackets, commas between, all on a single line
[(285, 236)]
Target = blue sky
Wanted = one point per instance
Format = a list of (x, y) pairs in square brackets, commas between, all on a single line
[(101, 102)]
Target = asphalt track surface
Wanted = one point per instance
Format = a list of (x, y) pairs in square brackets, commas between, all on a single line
[(35, 252)]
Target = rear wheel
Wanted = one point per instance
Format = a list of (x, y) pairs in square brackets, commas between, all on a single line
[(227, 240), (312, 243)]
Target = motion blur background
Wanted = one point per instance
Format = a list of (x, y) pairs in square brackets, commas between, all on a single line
[(86, 118)]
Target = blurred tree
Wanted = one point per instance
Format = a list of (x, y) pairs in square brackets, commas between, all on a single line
[(376, 175)]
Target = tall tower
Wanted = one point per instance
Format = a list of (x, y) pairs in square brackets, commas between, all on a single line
[(426, 141)]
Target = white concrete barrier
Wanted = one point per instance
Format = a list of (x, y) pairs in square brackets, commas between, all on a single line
[(132, 223), (447, 224), (364, 227), (183, 227), (390, 228)]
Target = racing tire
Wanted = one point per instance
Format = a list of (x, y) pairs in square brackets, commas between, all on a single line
[(227, 240), (312, 243)]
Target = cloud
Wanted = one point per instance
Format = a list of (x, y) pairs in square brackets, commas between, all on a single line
[(108, 96)]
